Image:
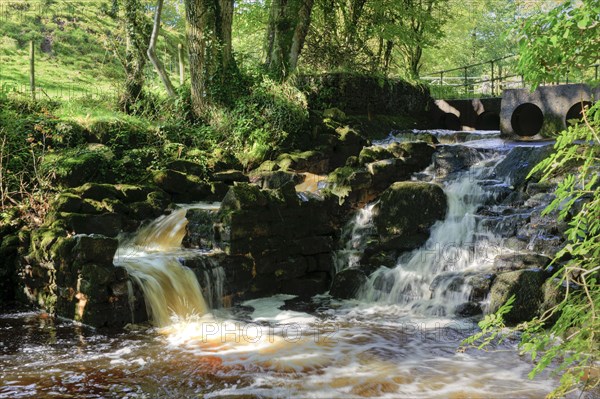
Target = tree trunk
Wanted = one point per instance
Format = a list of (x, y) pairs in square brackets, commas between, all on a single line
[(160, 69), (181, 64), (289, 21), (210, 51), (136, 28), (387, 58)]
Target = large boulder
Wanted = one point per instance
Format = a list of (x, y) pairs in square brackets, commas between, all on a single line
[(347, 283), (374, 153), (187, 167), (386, 172), (450, 159), (351, 184), (526, 285), (307, 161), (515, 167), (407, 210), (348, 143), (478, 284), (416, 155), (188, 188)]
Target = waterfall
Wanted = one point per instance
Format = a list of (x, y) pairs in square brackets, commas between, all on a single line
[(456, 244), (153, 256), (354, 237)]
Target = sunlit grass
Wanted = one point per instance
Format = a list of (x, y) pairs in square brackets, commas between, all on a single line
[(79, 52)]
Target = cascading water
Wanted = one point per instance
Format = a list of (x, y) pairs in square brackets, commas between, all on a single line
[(152, 259), (456, 244), (354, 236), (263, 349)]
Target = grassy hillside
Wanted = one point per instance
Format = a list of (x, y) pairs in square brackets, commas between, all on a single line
[(79, 47)]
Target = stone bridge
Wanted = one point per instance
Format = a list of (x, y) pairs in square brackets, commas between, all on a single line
[(519, 113)]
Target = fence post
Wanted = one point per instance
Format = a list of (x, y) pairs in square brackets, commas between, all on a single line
[(181, 65), (466, 82), (596, 66), (492, 64), (32, 69), (500, 79)]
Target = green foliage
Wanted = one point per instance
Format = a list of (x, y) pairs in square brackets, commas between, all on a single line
[(550, 43), (577, 156), (492, 328), (567, 335), (250, 28), (474, 34), (372, 36), (273, 117), (413, 26)]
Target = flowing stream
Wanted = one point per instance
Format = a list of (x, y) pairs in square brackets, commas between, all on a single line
[(399, 340), (457, 244)]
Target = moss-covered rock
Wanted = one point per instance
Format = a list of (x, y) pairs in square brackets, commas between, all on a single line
[(307, 161), (43, 240), (386, 172), (275, 180), (452, 159), (67, 202), (554, 291), (526, 285), (243, 196), (107, 224), (349, 143), (98, 191), (134, 193), (182, 187), (408, 209), (268, 166), (372, 154), (349, 183), (188, 167), (144, 210), (416, 155), (74, 167), (171, 181)]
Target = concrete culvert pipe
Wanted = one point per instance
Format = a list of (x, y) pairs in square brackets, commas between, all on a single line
[(449, 121), (488, 121), (576, 112), (527, 120)]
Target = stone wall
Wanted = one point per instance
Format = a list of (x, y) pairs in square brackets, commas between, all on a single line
[(289, 242), (362, 95)]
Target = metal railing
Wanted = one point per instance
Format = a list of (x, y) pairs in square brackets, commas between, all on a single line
[(491, 78), (484, 79)]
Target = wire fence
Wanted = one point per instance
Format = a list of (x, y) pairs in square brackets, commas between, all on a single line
[(31, 18), (491, 78)]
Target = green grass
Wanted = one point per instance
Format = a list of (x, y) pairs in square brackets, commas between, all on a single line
[(78, 51)]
